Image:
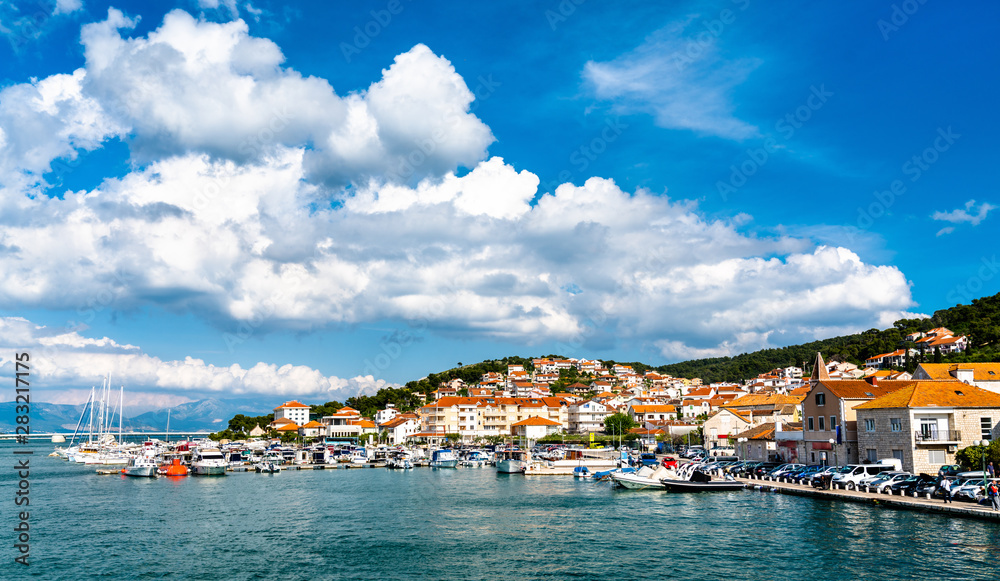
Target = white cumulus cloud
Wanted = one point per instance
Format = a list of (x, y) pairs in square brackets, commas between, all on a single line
[(64, 359), (235, 211)]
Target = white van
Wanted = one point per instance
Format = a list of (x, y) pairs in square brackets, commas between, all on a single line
[(850, 478)]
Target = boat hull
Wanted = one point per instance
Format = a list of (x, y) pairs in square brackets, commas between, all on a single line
[(688, 486), (444, 463), (511, 466), (141, 471), (208, 470), (633, 482)]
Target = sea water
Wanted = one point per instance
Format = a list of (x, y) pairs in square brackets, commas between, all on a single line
[(465, 523)]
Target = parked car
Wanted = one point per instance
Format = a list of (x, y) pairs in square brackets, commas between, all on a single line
[(970, 489), (832, 472), (932, 487), (783, 470), (909, 485), (742, 468), (649, 459), (887, 479), (852, 474), (763, 468), (807, 472), (949, 470)]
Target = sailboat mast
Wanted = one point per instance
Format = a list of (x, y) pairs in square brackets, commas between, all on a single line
[(90, 418), (80, 422), (167, 436), (121, 401)]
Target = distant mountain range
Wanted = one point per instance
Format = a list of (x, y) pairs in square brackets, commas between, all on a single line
[(206, 414)]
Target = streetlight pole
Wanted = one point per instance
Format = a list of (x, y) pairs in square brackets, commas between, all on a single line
[(982, 444)]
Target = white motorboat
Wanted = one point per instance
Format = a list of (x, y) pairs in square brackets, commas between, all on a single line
[(645, 478), (208, 462), (512, 462), (267, 468), (475, 459), (444, 459), (142, 466)]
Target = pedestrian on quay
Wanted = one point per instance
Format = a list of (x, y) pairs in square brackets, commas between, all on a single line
[(989, 469), (994, 493), (946, 490)]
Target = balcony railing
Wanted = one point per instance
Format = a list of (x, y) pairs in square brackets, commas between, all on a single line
[(935, 436)]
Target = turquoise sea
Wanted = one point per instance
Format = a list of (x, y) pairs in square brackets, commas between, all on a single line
[(467, 523)]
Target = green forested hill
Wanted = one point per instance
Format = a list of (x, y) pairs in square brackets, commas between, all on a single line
[(980, 320)]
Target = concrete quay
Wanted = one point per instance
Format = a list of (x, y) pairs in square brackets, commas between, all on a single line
[(957, 509)]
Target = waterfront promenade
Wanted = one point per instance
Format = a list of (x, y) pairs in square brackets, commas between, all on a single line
[(920, 504)]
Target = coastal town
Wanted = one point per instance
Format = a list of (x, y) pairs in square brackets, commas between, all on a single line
[(840, 414)]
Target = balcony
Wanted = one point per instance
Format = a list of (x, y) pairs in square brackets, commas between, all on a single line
[(937, 436)]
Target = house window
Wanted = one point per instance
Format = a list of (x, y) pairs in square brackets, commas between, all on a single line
[(810, 422), (820, 399), (833, 422), (895, 425), (898, 455), (872, 455), (929, 429), (821, 422), (987, 428), (870, 424), (935, 457), (813, 457)]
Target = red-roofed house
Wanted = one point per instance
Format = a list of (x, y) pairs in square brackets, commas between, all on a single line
[(923, 423), (294, 411), (534, 428), (312, 429), (400, 428)]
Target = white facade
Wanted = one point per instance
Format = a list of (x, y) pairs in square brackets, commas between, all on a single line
[(587, 416), (294, 411), (386, 415)]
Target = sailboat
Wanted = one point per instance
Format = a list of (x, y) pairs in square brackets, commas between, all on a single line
[(101, 446)]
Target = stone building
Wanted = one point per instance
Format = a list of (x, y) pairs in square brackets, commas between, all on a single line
[(924, 423), (829, 424)]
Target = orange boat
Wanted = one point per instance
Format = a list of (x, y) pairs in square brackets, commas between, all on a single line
[(175, 468)]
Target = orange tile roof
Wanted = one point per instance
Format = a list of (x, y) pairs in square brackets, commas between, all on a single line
[(980, 371), (755, 399), (536, 421), (313, 424), (291, 404), (398, 421), (363, 423), (857, 389), (653, 409), (923, 394), (289, 427), (762, 432), (946, 341)]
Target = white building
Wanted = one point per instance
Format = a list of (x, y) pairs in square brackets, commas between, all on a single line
[(293, 411), (400, 428), (534, 428), (386, 415), (587, 416)]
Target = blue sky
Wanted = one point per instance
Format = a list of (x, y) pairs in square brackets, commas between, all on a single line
[(221, 199)]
